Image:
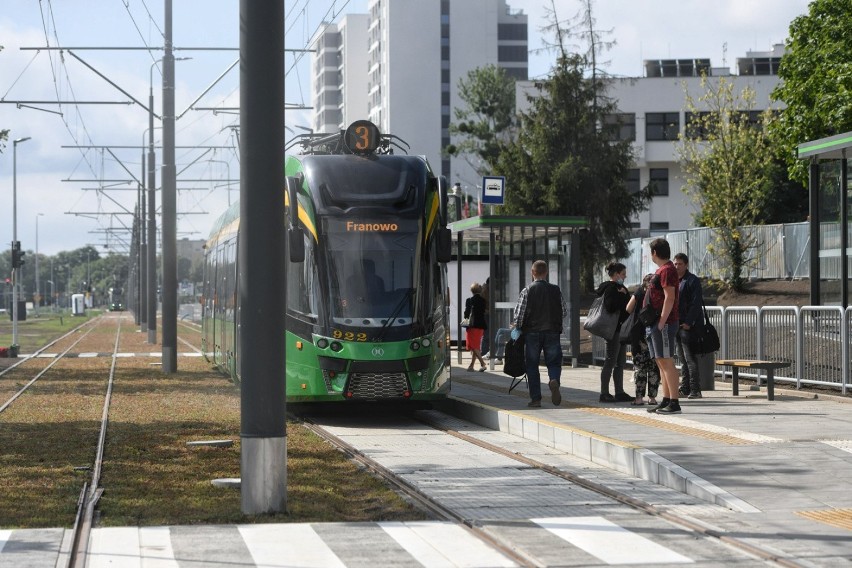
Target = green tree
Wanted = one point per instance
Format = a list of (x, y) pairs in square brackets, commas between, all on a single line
[(563, 162), (727, 162), (486, 120), (816, 80)]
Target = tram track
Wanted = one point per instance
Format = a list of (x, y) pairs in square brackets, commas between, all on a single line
[(53, 362), (647, 508), (432, 506), (683, 521), (47, 346), (92, 491)]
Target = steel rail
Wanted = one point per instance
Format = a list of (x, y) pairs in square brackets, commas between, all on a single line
[(43, 371), (682, 521), (430, 505), (86, 508), (43, 349)]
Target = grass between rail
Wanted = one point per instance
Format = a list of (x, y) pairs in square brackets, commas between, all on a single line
[(150, 475), (36, 332)]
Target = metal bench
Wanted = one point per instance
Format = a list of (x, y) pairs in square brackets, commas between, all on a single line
[(768, 366)]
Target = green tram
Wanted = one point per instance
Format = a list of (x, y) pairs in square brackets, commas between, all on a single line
[(367, 298)]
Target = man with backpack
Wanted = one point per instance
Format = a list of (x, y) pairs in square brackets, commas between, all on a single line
[(538, 315)]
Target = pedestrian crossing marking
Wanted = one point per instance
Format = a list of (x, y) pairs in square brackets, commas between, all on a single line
[(439, 545), (609, 542), (288, 545), (113, 546), (434, 544), (155, 547)]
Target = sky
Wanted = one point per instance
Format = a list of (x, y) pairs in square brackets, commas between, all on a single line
[(71, 145)]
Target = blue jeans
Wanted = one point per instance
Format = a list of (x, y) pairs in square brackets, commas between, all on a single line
[(536, 342), (500, 341)]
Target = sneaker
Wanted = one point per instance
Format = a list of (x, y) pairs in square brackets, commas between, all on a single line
[(695, 394), (623, 397), (555, 395), (664, 403), (672, 408), (606, 398), (683, 390), (534, 404)]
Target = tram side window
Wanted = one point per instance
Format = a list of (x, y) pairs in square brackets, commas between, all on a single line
[(302, 284)]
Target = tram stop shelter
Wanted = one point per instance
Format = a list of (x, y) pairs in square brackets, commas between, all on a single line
[(828, 189), (514, 243)]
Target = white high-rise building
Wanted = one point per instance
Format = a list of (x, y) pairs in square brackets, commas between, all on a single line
[(408, 64), (339, 74)]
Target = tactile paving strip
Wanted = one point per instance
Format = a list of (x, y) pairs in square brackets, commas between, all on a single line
[(841, 518), (679, 428)]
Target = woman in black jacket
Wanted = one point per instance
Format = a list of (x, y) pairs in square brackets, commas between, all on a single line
[(615, 298), (474, 310)]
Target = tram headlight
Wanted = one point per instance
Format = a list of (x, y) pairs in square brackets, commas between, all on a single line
[(415, 346), (336, 346), (426, 342), (322, 342)]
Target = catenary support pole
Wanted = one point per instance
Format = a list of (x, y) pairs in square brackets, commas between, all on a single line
[(168, 288), (262, 278)]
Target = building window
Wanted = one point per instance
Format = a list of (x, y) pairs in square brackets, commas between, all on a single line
[(749, 117), (517, 73), (659, 181), (506, 53), (512, 32), (697, 125), (631, 182), (620, 126), (662, 125), (659, 226)]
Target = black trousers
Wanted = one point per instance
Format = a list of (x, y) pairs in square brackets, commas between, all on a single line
[(690, 380)]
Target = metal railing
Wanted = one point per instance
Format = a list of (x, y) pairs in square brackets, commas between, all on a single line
[(815, 340)]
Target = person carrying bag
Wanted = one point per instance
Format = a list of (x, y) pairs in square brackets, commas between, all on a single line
[(614, 297)]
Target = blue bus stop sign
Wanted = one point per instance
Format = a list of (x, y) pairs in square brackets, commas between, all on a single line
[(493, 189)]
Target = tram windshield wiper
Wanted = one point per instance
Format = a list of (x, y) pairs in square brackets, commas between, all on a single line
[(394, 314)]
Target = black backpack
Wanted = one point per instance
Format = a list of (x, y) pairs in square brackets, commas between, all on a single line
[(514, 363)]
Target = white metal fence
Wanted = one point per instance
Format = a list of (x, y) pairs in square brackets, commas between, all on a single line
[(815, 340)]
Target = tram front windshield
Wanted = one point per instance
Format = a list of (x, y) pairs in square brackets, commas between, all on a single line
[(371, 271)]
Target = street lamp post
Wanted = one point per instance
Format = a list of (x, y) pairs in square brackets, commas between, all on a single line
[(15, 240), (38, 287)]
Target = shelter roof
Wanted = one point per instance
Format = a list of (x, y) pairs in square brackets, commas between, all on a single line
[(480, 227), (831, 148)]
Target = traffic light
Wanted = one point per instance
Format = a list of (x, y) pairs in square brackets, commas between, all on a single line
[(17, 255)]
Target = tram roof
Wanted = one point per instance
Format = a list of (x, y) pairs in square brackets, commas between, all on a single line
[(479, 228), (831, 148)]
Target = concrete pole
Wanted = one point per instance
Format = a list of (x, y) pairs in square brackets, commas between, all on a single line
[(15, 237), (169, 179), (262, 282), (151, 243), (38, 286)]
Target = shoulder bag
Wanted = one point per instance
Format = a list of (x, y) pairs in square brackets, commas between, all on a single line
[(601, 322), (648, 315), (708, 341)]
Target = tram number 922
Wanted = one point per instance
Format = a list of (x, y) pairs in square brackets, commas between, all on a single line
[(348, 335)]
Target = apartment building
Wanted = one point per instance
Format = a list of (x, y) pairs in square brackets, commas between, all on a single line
[(652, 116), (400, 65)]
